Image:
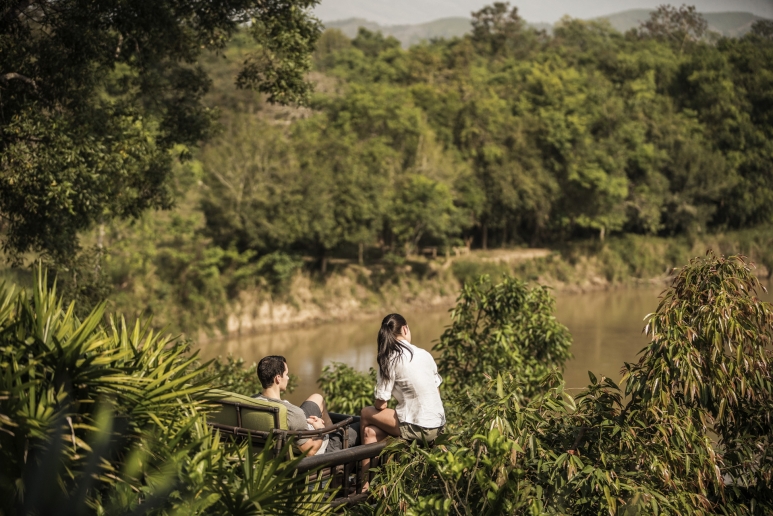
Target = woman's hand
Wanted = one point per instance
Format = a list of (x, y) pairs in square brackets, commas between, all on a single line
[(317, 422)]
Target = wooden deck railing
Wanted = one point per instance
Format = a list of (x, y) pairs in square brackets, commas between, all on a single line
[(343, 468)]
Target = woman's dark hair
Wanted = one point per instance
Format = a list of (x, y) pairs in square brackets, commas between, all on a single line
[(390, 349)]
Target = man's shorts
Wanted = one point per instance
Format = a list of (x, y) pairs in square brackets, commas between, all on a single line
[(336, 438), (311, 409), (411, 432)]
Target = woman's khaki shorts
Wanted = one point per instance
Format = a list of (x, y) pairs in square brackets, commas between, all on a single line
[(412, 432)]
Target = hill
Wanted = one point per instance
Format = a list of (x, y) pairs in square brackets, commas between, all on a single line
[(730, 24), (407, 34), (413, 12)]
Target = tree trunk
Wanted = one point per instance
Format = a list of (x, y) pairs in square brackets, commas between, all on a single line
[(601, 233), (485, 236), (323, 260), (100, 246), (360, 257)]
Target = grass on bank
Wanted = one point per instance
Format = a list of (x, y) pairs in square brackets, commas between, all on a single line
[(185, 283)]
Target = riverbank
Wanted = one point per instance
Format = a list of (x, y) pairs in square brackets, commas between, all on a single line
[(350, 291), (353, 292), (161, 267)]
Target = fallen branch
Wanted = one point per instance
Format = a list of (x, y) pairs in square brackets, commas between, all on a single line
[(13, 75)]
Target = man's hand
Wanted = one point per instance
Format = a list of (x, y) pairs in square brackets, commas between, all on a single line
[(316, 422)]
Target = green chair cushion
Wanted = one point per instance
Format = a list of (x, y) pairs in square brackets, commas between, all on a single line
[(251, 419)]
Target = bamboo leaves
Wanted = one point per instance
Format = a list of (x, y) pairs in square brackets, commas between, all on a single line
[(691, 434)]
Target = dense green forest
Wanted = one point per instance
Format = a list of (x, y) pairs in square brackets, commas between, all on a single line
[(631, 148), (506, 136), (650, 140)]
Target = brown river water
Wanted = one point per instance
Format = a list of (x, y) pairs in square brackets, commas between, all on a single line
[(606, 328)]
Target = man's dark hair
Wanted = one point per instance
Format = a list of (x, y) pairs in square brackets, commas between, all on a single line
[(269, 368)]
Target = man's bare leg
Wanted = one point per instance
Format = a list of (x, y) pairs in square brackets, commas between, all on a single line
[(320, 401)]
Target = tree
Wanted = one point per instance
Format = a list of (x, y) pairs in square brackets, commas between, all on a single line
[(503, 327), (677, 26), (254, 188), (422, 208), (95, 96), (373, 43), (763, 29), (498, 30)]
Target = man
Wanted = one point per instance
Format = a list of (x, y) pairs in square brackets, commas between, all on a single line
[(274, 374)]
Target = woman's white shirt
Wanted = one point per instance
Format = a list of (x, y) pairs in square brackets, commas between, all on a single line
[(414, 385)]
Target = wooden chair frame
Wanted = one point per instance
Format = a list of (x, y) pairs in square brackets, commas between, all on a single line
[(340, 466)]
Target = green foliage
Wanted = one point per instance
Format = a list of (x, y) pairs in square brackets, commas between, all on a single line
[(285, 34), (501, 328), (504, 136), (345, 389), (278, 269), (163, 267), (96, 97), (469, 271), (590, 130), (423, 209), (710, 360), (99, 419), (690, 434)]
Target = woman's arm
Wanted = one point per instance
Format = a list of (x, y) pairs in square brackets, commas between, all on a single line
[(380, 404)]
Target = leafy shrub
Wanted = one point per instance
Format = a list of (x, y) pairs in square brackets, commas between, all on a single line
[(345, 389), (707, 372), (99, 419), (278, 269), (710, 361), (503, 328)]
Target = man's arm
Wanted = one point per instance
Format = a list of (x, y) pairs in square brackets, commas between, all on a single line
[(311, 446)]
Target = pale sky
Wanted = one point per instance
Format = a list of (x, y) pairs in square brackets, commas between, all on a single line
[(395, 12)]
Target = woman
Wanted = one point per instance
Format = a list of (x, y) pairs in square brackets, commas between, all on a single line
[(410, 375)]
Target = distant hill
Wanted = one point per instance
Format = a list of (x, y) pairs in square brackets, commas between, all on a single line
[(731, 24), (407, 34), (413, 12), (413, 34)]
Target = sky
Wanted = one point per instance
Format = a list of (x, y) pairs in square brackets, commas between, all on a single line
[(396, 12)]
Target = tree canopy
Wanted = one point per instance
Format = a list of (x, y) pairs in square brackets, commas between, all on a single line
[(510, 135), (98, 98)]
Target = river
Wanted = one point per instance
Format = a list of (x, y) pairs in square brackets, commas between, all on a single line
[(606, 328)]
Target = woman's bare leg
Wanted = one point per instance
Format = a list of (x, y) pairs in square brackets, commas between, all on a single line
[(376, 425), (385, 419)]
